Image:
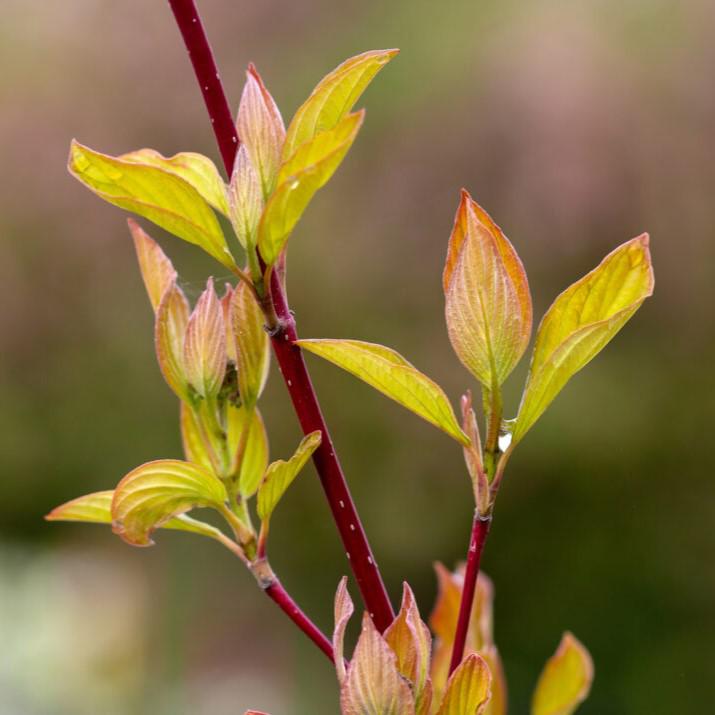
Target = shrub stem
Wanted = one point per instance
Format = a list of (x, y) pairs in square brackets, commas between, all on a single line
[(289, 355)]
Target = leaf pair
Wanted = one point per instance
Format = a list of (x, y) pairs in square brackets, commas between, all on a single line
[(564, 682), (489, 314), (389, 675)]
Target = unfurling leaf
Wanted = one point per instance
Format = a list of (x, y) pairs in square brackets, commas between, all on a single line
[(468, 689), (343, 610), (473, 456), (162, 196), (172, 318), (410, 640), (250, 344), (280, 475), (157, 270), (303, 174), (565, 681), (254, 453), (373, 685), (581, 321), (196, 169), (488, 305), (152, 494), (205, 344), (96, 508), (388, 372), (245, 199), (334, 96), (261, 129)]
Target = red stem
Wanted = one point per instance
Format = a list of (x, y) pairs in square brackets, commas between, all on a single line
[(288, 355), (480, 530), (278, 594)]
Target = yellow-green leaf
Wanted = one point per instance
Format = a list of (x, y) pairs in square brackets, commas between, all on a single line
[(373, 685), (245, 199), (205, 344), (254, 454), (172, 317), (468, 689), (488, 305), (388, 372), (260, 127), (250, 343), (157, 270), (565, 681), (581, 321), (96, 508), (410, 640), (280, 475), (310, 169), (152, 494), (343, 610), (334, 96), (163, 197), (196, 169)]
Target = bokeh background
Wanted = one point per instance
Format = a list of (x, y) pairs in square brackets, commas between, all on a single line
[(577, 125)]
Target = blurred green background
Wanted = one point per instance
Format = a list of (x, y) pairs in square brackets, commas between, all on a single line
[(577, 125)]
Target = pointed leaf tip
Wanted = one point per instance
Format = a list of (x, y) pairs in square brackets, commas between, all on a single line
[(388, 372), (468, 689), (157, 271), (581, 322), (488, 304), (343, 610), (565, 681)]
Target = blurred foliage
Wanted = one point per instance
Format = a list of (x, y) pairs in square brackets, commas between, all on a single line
[(577, 126)]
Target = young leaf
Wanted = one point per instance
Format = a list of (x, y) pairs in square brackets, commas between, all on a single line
[(192, 439), (581, 321), (343, 610), (334, 96), (250, 344), (468, 690), (196, 169), (410, 640), (205, 344), (96, 508), (261, 129), (280, 475), (473, 456), (488, 305), (155, 492), (309, 169), (391, 374), (254, 459), (157, 270), (565, 681), (172, 317), (245, 199), (373, 685), (159, 195)]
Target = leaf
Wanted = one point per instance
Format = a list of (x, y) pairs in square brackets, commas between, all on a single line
[(196, 169), (205, 344), (261, 129), (373, 685), (581, 321), (155, 492), (309, 169), (245, 199), (255, 455), (96, 508), (391, 374), (250, 344), (172, 317), (343, 610), (157, 270), (411, 642), (565, 681), (159, 195), (280, 475), (468, 689), (488, 305), (334, 96)]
